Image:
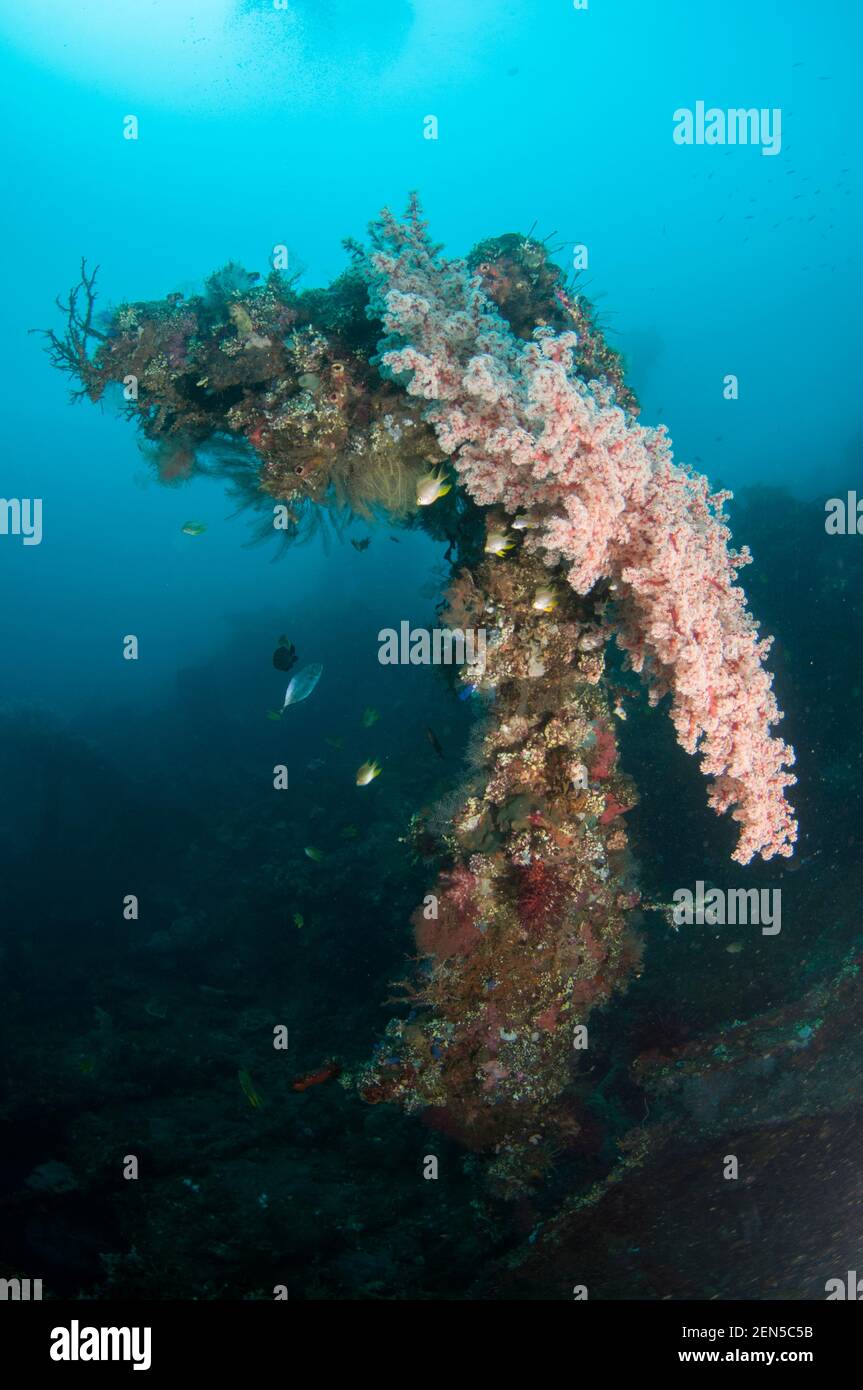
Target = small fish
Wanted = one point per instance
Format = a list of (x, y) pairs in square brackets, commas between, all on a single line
[(299, 920), (370, 717), (274, 714), (545, 600), (315, 854), (303, 683), (432, 738), (431, 487), (350, 832), (248, 1088), (315, 1078), (285, 655), (315, 765), (367, 773), (498, 543), (333, 742), (525, 522), (395, 540), (194, 528), (468, 690), (735, 948), (363, 544)]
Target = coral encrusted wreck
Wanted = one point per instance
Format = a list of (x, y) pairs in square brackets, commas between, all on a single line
[(570, 524)]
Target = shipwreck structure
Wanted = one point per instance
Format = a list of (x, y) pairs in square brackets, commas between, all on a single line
[(567, 524)]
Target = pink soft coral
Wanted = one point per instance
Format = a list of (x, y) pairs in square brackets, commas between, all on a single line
[(526, 433)]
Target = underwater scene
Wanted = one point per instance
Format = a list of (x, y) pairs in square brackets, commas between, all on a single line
[(431, 799)]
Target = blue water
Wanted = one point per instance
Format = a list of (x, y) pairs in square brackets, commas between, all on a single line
[(260, 125)]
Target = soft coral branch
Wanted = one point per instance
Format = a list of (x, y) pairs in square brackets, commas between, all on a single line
[(606, 499)]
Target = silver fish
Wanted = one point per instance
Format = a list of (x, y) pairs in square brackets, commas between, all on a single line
[(302, 684)]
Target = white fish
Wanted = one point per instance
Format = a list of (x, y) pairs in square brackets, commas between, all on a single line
[(302, 684)]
